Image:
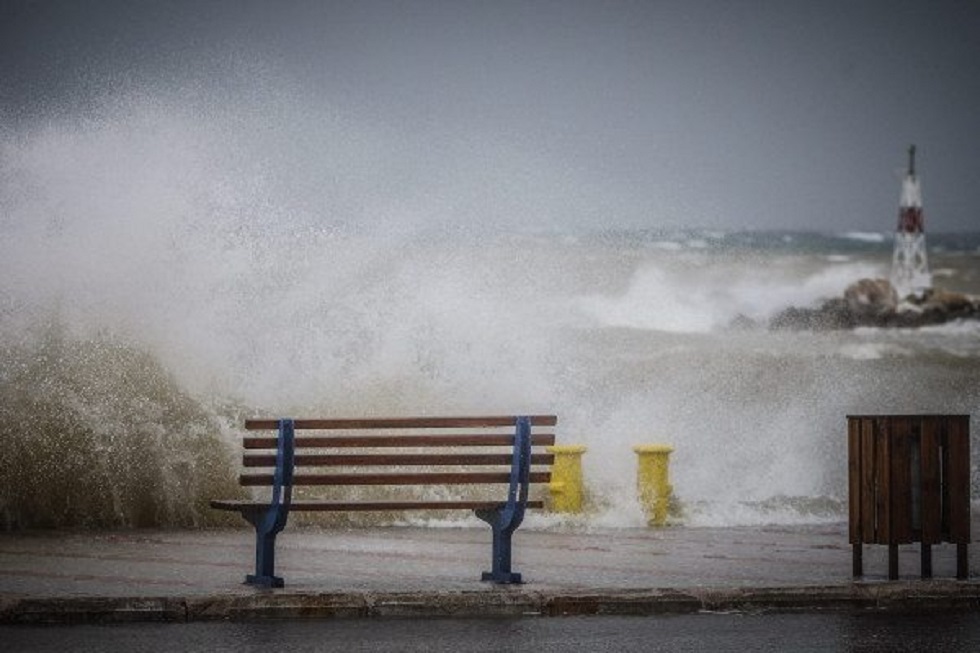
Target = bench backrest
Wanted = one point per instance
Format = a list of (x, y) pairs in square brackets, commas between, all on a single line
[(400, 451)]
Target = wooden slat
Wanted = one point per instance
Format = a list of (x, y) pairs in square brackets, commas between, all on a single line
[(854, 480), (406, 441), (367, 506), (958, 477), (869, 517), (900, 473), (397, 459), (396, 478), (882, 481), (931, 520), (401, 422)]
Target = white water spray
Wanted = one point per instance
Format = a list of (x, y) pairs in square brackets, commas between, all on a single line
[(263, 253)]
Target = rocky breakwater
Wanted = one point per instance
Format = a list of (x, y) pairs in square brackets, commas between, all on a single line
[(875, 303)]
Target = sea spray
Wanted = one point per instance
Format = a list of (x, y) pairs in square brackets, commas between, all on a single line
[(96, 433), (258, 251)]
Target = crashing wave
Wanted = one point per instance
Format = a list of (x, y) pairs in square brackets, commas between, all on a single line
[(96, 433)]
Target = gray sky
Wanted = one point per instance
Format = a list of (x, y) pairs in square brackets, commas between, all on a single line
[(730, 114)]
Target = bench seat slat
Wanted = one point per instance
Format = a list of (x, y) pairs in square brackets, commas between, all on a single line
[(365, 506), (369, 460), (408, 478), (405, 441), (401, 422)]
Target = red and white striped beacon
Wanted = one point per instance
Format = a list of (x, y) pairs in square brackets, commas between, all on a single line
[(910, 265)]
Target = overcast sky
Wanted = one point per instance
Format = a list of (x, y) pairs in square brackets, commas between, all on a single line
[(728, 114)]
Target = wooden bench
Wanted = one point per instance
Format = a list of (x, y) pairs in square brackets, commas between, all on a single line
[(395, 452)]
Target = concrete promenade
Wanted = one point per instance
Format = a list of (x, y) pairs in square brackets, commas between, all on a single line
[(426, 571)]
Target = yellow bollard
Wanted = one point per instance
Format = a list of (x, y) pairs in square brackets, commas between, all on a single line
[(653, 481), (566, 488)]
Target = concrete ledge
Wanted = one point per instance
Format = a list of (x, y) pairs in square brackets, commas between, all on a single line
[(624, 602), (276, 605), (919, 596), (91, 610)]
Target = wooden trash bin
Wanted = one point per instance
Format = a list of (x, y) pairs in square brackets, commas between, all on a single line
[(909, 481)]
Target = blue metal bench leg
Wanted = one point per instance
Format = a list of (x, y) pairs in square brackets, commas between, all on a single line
[(265, 563), (265, 554), (501, 561), (501, 571)]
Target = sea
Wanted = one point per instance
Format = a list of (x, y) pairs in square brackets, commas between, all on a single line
[(126, 371), (161, 280)]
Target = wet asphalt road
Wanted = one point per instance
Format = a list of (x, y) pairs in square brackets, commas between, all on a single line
[(855, 632)]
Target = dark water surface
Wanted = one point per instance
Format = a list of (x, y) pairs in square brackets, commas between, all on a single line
[(865, 632)]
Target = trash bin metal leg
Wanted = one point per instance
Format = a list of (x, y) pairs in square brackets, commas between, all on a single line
[(926, 555), (892, 562), (962, 561), (857, 560)]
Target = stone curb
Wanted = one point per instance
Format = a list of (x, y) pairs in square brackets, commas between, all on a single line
[(917, 596)]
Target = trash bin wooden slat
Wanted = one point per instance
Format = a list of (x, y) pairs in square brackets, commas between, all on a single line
[(900, 503), (854, 478), (867, 482), (958, 486), (931, 489)]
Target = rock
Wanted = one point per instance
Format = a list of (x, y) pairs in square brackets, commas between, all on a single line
[(833, 314), (875, 303), (871, 297), (947, 301)]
